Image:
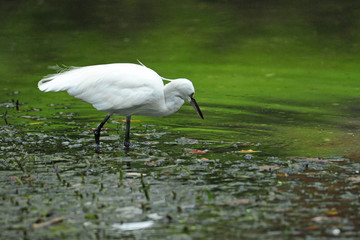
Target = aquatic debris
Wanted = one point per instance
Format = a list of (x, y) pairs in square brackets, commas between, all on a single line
[(129, 212), (332, 212), (30, 117), (154, 216), (5, 117), (282, 174), (36, 123), (248, 151), (91, 216), (134, 174), (239, 144), (236, 201), (354, 179), (321, 219), (197, 151), (150, 143), (17, 105), (132, 120), (267, 168), (48, 223), (184, 140), (132, 226), (145, 187), (248, 156), (152, 163), (335, 231), (18, 180)]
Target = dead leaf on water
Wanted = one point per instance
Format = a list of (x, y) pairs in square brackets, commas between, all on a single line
[(132, 120), (152, 163), (47, 223), (333, 212), (248, 151), (197, 151), (282, 175), (354, 179), (320, 219), (312, 227)]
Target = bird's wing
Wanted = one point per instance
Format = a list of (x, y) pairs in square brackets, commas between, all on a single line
[(111, 87)]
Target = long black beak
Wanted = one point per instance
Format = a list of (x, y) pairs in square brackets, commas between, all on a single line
[(196, 107)]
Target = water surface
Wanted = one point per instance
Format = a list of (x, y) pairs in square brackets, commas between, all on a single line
[(276, 156)]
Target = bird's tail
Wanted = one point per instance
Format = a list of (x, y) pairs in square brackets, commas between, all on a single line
[(56, 82), (46, 85)]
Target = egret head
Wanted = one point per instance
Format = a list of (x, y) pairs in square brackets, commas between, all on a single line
[(185, 90)]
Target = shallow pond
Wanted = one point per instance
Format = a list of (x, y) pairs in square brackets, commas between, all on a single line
[(275, 157)]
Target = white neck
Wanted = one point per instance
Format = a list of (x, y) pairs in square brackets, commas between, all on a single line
[(173, 101)]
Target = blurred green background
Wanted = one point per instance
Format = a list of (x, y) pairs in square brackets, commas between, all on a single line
[(281, 73)]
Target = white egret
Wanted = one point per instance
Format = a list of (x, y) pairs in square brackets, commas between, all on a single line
[(122, 88)]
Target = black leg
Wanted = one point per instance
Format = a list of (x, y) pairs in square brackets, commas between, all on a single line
[(98, 129), (127, 133)]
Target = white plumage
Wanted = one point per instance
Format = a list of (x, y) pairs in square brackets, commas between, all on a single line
[(122, 88)]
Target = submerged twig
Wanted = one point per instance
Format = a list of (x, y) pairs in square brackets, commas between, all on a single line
[(20, 165), (5, 117), (121, 177), (58, 177), (17, 105), (144, 188)]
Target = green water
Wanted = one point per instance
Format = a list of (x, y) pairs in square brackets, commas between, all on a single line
[(279, 78)]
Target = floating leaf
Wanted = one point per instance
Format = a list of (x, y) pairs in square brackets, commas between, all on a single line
[(124, 120), (236, 201), (18, 180), (248, 151), (312, 227), (331, 212), (354, 179), (35, 123), (91, 216), (152, 163), (320, 219), (197, 151)]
